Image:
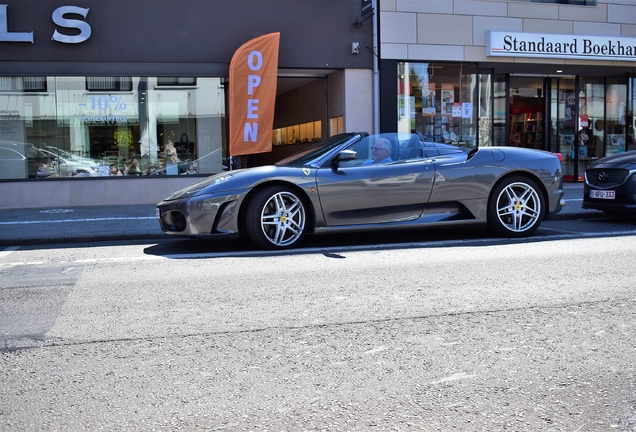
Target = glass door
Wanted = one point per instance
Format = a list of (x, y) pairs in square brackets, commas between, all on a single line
[(616, 115), (526, 112), (563, 125)]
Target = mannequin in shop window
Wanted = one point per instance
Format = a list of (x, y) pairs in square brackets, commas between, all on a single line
[(171, 152)]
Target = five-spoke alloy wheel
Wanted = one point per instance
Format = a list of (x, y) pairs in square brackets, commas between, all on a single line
[(516, 207), (276, 218)]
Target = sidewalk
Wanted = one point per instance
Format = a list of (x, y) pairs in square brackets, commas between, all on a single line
[(104, 223)]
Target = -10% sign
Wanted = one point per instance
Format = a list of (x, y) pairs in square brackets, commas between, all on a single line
[(103, 102)]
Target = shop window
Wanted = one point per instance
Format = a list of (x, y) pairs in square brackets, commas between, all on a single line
[(102, 126), (616, 115), (336, 125), (303, 133), (445, 102)]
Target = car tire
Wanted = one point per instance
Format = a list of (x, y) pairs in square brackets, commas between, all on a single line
[(516, 207), (276, 218)]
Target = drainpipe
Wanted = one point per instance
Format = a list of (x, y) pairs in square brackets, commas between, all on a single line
[(376, 72)]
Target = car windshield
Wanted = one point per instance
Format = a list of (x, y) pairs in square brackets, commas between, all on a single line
[(311, 154)]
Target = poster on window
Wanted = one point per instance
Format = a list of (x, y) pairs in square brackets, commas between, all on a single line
[(448, 98), (569, 101), (428, 99)]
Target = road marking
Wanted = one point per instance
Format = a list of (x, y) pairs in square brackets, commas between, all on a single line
[(78, 220)]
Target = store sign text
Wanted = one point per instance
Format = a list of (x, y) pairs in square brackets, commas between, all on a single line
[(255, 63), (561, 46), (58, 18)]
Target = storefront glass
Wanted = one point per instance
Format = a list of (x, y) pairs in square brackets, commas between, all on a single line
[(631, 117), (563, 125), (615, 115), (500, 109), (591, 123), (52, 127), (445, 102)]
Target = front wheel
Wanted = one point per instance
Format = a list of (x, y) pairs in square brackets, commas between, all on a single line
[(515, 208), (276, 218)]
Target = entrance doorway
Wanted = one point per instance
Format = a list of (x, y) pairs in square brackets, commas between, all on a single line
[(526, 122)]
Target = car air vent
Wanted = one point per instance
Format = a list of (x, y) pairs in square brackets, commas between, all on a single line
[(605, 178)]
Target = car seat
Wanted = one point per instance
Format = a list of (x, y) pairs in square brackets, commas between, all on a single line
[(395, 147), (413, 148)]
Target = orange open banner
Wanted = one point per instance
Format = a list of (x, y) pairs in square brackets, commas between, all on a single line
[(253, 75)]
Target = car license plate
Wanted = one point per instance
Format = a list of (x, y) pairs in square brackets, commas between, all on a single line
[(603, 194)]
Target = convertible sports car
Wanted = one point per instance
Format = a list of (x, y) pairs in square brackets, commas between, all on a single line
[(610, 185), (332, 186)]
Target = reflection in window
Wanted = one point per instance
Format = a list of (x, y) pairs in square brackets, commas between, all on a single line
[(25, 84), (109, 83), (444, 102), (176, 81), (103, 126), (615, 115)]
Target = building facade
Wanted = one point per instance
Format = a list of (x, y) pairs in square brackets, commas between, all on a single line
[(124, 102), (556, 75)]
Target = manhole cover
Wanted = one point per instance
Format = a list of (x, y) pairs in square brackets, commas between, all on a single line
[(56, 211)]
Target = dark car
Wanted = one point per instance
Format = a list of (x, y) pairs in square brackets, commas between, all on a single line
[(333, 187), (610, 185)]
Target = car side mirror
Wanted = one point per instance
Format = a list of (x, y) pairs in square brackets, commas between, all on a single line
[(343, 156)]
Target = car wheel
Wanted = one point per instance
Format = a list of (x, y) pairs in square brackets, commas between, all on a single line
[(276, 218), (515, 208)]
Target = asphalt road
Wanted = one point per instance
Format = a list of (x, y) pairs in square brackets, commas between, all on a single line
[(445, 333)]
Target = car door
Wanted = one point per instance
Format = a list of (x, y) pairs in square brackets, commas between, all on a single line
[(375, 193)]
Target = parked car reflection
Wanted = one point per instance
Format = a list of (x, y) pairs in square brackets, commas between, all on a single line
[(54, 163)]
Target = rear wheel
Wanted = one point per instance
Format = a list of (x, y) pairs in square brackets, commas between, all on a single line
[(515, 208), (276, 218)]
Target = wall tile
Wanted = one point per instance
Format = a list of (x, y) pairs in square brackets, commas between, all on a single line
[(628, 30), (394, 51), (444, 29), (533, 10), (602, 29), (547, 26), (584, 13), (437, 52), (622, 14), (396, 27), (481, 25), (480, 7), (429, 6)]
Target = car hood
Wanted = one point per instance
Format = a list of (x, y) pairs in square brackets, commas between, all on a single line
[(225, 181), (625, 160)]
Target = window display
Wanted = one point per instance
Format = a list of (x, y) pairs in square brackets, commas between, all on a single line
[(444, 102), (111, 126)]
